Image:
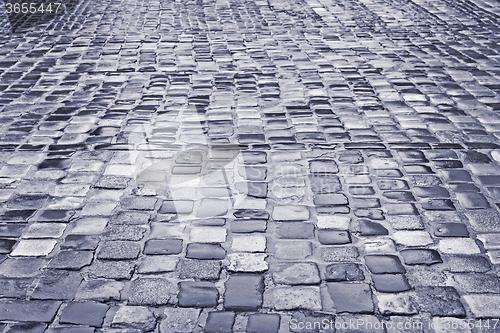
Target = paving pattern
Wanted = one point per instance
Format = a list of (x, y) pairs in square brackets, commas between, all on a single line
[(252, 166)]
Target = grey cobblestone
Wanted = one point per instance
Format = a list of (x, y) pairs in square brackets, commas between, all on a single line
[(228, 166)]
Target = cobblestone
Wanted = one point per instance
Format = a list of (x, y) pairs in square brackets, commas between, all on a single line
[(231, 166)]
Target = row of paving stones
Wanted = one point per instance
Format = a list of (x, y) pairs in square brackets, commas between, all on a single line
[(120, 245), (319, 230)]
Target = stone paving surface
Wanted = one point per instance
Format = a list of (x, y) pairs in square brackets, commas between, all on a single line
[(252, 166)]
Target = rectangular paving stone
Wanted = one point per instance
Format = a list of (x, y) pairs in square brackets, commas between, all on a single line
[(58, 285), (198, 294), (208, 235), (290, 213), (293, 298), (293, 249), (119, 250), (243, 292), (199, 269), (89, 313), (440, 301), (484, 306), (484, 220), (14, 288), (34, 247), (351, 297), (36, 311), (339, 254), (163, 246), (472, 200), (476, 283)]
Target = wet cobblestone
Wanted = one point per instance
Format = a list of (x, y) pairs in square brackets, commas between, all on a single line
[(250, 166)]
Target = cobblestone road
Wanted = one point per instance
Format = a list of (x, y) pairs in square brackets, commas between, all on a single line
[(252, 166)]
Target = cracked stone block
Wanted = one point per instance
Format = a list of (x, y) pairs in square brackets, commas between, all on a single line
[(119, 250), (296, 273), (34, 247), (99, 290), (290, 213), (163, 246), (198, 294), (396, 304), (199, 269), (57, 285), (351, 297), (138, 317), (150, 291), (179, 320), (440, 301), (247, 262), (32, 310), (293, 298), (208, 235), (243, 292), (157, 264), (89, 313), (249, 243), (220, 322)]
